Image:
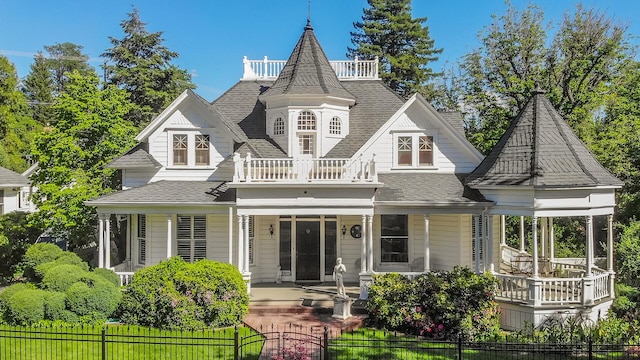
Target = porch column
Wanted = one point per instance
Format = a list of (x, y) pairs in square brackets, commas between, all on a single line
[(543, 236), (363, 246), (240, 244), (534, 229), (427, 256), (503, 230), (101, 240), (490, 243), (246, 244), (589, 245), (612, 274), (522, 248), (370, 244), (484, 240), (552, 241), (169, 231), (230, 235), (107, 242), (128, 243), (476, 220)]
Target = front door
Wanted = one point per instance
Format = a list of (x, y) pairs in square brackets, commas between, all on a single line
[(308, 251)]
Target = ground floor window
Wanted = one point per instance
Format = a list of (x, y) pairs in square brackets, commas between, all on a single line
[(394, 241), (192, 237)]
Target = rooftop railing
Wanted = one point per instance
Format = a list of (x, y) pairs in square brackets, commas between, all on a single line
[(355, 69)]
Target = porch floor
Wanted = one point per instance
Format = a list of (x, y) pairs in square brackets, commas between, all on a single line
[(309, 307)]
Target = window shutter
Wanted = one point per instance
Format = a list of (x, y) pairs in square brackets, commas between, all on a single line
[(251, 226), (184, 227), (184, 249), (199, 227), (476, 236), (142, 241)]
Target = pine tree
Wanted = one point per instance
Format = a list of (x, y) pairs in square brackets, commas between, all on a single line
[(38, 88), (401, 43), (142, 66), (64, 58)]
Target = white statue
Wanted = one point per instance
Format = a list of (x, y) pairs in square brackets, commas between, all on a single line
[(338, 275), (278, 275)]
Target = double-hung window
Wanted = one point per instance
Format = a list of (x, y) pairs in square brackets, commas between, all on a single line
[(180, 149), (192, 237), (202, 149), (394, 241), (414, 150), (190, 149)]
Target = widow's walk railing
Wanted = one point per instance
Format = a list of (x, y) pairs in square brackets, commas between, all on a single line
[(355, 69), (250, 170)]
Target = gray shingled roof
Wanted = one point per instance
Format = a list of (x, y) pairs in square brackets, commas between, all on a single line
[(308, 71), (540, 149), (10, 178), (136, 158), (427, 187), (455, 119), (171, 193)]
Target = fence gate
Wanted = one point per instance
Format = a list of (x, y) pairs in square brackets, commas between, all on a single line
[(287, 343)]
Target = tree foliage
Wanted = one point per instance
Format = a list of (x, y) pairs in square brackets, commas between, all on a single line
[(402, 44), (38, 87), (141, 65), (89, 132), (63, 59)]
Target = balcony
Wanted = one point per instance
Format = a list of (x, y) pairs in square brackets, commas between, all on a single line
[(355, 69), (288, 170)]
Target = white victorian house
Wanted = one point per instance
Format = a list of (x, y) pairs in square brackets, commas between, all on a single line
[(308, 160), (15, 191)]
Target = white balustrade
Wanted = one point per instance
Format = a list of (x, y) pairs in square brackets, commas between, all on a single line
[(601, 286), (561, 291), (296, 170), (125, 277), (512, 288), (355, 69)]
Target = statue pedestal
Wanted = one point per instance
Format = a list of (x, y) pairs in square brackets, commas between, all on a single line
[(342, 307)]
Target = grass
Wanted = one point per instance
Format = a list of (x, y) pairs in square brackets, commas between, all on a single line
[(122, 342)]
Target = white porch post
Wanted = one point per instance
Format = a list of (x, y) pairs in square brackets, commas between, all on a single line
[(363, 246), (612, 274), (169, 233), (101, 240), (589, 245), (476, 220), (107, 242), (427, 256), (503, 230), (534, 229), (230, 235), (240, 244), (246, 244), (484, 240), (490, 244), (522, 248), (552, 241), (370, 244)]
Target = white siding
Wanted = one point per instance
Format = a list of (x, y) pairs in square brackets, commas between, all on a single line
[(218, 237), (265, 252), (445, 241), (157, 238), (349, 247)]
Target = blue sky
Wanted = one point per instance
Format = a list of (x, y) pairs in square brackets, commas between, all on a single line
[(213, 36)]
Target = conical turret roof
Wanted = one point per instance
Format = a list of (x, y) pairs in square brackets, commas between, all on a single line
[(308, 72), (539, 149)]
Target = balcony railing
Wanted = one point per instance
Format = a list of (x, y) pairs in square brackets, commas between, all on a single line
[(250, 170), (355, 69)]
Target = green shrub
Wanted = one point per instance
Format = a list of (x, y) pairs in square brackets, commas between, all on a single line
[(98, 301), (108, 275), (8, 293), (179, 295), (440, 305), (38, 254), (26, 307), (62, 277), (54, 305), (65, 258), (20, 234)]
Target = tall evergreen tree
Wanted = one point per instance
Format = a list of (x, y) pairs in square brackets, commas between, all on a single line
[(38, 88), (141, 65), (64, 58), (402, 44), (16, 127)]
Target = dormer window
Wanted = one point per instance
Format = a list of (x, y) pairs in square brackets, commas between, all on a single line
[(180, 149), (335, 126), (414, 150), (190, 148), (202, 149), (306, 120), (278, 126)]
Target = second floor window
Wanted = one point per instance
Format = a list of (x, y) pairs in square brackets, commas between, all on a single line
[(278, 126), (335, 126), (180, 146), (306, 120), (202, 149), (414, 150)]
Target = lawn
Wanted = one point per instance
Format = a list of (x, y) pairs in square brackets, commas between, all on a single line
[(121, 342)]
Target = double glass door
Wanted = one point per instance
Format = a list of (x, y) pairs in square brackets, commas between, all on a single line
[(308, 247)]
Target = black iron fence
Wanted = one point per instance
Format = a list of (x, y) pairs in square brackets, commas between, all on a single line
[(292, 342)]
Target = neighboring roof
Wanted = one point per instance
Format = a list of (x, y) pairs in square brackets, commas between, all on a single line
[(136, 158), (540, 149), (308, 71), (455, 119), (10, 178), (171, 193), (431, 188)]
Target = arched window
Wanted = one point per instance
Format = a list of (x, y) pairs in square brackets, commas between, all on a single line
[(306, 120), (278, 126), (335, 126)]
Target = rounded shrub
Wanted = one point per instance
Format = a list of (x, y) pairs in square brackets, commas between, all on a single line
[(38, 254), (55, 305), (26, 307), (96, 301), (8, 293), (66, 258), (108, 275), (62, 277), (179, 295)]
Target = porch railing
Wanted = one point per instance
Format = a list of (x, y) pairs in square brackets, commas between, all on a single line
[(355, 69), (303, 170), (125, 277)]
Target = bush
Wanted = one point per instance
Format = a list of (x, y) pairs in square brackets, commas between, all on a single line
[(440, 305), (62, 277), (97, 302), (19, 235), (8, 293), (65, 258), (38, 254), (628, 254), (26, 307), (108, 275), (54, 305), (179, 295)]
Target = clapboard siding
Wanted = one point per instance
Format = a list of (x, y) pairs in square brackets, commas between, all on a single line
[(349, 247), (157, 238), (218, 238), (265, 252)]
